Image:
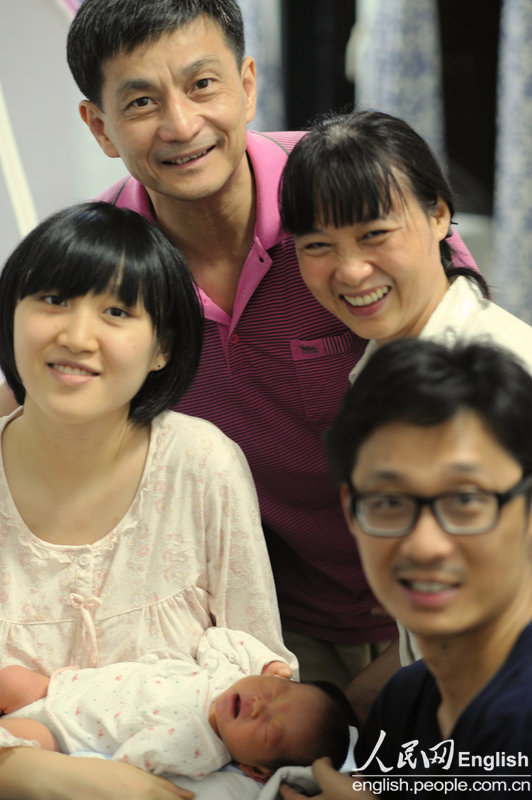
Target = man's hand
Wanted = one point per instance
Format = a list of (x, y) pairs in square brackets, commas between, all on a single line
[(333, 784)]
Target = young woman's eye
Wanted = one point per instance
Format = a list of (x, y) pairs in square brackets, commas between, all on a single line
[(117, 312), (53, 299)]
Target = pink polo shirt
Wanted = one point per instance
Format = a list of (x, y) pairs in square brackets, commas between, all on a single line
[(272, 377)]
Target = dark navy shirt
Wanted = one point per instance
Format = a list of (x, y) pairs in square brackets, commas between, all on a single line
[(490, 755)]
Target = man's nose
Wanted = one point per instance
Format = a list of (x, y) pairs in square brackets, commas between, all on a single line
[(180, 121), (427, 541)]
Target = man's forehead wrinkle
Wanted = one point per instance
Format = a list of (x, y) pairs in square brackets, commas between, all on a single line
[(143, 84)]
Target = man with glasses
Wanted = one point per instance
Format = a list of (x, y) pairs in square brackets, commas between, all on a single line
[(433, 454)]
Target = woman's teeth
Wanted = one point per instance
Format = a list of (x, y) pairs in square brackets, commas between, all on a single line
[(367, 299), (71, 370)]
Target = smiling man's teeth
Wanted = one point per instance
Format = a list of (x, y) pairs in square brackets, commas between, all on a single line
[(367, 299), (428, 587), (71, 370), (186, 159)]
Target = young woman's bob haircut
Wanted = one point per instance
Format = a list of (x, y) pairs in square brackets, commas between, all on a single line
[(352, 168), (97, 247)]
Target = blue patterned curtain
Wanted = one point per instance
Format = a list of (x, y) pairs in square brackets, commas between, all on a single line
[(262, 21), (398, 63), (513, 179)]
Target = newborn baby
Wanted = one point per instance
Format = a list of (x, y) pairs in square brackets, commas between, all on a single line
[(180, 716)]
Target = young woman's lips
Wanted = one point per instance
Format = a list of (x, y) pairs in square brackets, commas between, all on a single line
[(71, 373)]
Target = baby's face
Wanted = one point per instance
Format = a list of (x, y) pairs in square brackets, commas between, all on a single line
[(262, 718)]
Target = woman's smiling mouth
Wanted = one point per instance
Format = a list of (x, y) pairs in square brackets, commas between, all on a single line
[(68, 369), (367, 299)]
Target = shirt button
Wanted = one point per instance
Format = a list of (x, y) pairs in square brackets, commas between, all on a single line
[(235, 338), (84, 560)]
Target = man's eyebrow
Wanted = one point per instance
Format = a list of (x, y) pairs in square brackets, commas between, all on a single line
[(133, 85), (452, 469), (385, 475)]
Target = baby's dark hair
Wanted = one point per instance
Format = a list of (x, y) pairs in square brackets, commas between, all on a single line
[(331, 737)]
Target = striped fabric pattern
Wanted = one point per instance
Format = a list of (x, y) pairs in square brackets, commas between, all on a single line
[(273, 380), (272, 377)]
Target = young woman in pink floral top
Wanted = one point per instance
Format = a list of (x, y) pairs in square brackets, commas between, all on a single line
[(125, 529)]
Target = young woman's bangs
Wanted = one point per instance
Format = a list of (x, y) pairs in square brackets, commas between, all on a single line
[(87, 266)]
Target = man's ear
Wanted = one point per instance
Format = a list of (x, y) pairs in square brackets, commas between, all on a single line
[(249, 83), (260, 774), (94, 118), (345, 499)]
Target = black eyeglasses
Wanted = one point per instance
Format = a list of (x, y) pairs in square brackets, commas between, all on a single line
[(461, 512)]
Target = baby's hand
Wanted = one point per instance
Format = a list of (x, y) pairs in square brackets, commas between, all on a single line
[(279, 668)]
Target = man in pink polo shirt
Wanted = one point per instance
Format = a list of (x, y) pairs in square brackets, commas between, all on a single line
[(169, 91)]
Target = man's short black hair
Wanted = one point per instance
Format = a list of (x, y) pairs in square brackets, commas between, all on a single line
[(426, 383), (104, 28)]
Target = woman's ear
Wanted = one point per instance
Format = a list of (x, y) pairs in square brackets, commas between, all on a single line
[(260, 774), (160, 359), (441, 217)]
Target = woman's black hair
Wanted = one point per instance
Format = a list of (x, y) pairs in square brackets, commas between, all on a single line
[(351, 167), (94, 247)]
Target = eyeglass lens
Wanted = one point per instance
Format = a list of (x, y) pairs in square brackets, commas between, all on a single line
[(461, 512)]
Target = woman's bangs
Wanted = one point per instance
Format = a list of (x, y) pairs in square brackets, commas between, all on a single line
[(343, 197), (85, 267)]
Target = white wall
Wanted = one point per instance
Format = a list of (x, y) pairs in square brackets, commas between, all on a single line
[(62, 162)]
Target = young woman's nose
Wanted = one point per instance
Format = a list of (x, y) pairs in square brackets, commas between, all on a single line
[(78, 332)]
